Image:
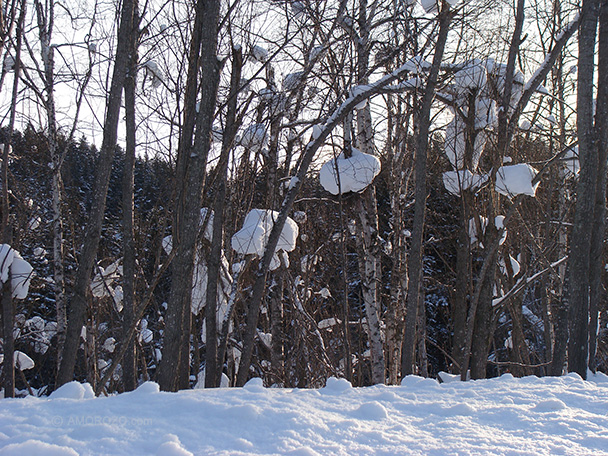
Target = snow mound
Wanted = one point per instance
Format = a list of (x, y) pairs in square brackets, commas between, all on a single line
[(22, 361), (416, 65), (415, 380), (73, 390), (253, 237), (503, 415), (253, 137), (516, 180), (355, 173), (337, 385), (461, 409), (446, 377), (259, 53), (456, 182), (147, 388), (255, 384), (172, 447), (36, 448), (549, 405), (371, 411)]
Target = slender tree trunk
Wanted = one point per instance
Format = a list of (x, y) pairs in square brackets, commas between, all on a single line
[(129, 364), (462, 289), (580, 243), (191, 167), (213, 363), (599, 224), (6, 226), (45, 27), (8, 342), (78, 301), (415, 267)]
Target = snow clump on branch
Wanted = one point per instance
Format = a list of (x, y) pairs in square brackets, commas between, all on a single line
[(354, 174), (20, 271), (252, 238)]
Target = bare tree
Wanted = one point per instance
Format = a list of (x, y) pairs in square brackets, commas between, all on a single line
[(79, 296)]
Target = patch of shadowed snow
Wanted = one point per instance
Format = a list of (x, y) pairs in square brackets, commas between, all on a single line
[(36, 448)]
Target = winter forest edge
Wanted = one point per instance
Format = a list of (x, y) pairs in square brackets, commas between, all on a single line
[(298, 190)]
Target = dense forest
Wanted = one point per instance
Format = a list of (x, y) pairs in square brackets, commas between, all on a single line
[(201, 192)]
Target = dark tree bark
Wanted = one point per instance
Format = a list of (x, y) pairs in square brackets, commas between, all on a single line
[(596, 292), (213, 363), (415, 266), (78, 301), (577, 292), (174, 368), (129, 364)]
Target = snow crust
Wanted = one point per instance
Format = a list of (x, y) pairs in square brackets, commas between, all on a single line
[(355, 173), (501, 416)]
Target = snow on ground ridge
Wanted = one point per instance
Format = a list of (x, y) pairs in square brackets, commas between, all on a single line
[(500, 416)]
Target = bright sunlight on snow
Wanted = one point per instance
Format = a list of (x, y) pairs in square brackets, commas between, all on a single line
[(500, 416)]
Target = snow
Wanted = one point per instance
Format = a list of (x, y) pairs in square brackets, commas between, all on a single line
[(430, 6), (253, 237), (500, 416), (516, 180), (472, 76), (199, 284), (356, 173), (457, 181), (292, 81), (20, 270), (253, 137), (416, 65), (259, 53), (20, 360)]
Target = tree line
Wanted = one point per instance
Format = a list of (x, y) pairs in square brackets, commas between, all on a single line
[(295, 190)]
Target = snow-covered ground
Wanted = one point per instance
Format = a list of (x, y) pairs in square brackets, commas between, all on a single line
[(502, 416)]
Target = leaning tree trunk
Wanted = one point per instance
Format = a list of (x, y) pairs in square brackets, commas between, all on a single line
[(415, 266), (213, 361), (582, 230), (78, 301)]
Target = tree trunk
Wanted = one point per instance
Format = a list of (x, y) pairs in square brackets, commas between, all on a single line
[(213, 363), (462, 288), (78, 301), (582, 229), (8, 343), (415, 266), (129, 364), (191, 166), (596, 294)]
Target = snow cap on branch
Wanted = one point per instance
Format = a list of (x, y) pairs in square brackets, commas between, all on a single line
[(355, 173)]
